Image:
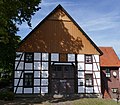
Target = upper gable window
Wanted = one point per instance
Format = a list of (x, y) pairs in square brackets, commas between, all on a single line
[(29, 57), (88, 58)]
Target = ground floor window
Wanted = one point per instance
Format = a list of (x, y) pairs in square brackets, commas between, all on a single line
[(114, 90), (28, 80), (88, 79)]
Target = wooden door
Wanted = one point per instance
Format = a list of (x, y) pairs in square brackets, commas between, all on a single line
[(62, 79)]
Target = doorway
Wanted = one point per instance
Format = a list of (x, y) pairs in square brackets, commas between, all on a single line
[(62, 79)]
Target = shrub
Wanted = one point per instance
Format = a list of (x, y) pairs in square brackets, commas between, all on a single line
[(6, 95)]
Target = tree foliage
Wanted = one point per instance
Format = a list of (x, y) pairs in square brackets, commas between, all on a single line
[(12, 13)]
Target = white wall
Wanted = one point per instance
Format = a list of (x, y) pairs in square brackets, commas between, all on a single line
[(83, 69)]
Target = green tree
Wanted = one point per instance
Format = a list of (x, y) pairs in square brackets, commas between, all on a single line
[(12, 14)]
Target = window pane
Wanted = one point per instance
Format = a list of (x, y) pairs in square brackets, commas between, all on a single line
[(89, 79), (28, 79), (107, 72), (88, 58), (29, 57)]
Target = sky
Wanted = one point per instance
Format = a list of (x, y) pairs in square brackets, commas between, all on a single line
[(100, 19)]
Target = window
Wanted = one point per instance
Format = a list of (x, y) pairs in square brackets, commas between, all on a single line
[(88, 58), (114, 90), (81, 83), (29, 57), (28, 80), (107, 72), (89, 80)]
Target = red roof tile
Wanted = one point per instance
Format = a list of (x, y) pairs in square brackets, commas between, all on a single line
[(109, 57)]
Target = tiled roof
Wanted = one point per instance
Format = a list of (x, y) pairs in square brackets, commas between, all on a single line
[(109, 57)]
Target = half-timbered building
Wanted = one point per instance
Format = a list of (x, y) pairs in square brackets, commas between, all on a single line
[(57, 57), (110, 72)]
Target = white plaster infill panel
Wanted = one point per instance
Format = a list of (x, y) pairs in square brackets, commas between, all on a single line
[(27, 90), (37, 56), (88, 72), (80, 58), (44, 74), (28, 71), (36, 82), (36, 89), (18, 73), (44, 82), (97, 82), (88, 67), (19, 66), (89, 89), (44, 65), (54, 57), (71, 57), (97, 89), (45, 56), (80, 74), (23, 57), (19, 90), (37, 74), (80, 66), (44, 90), (81, 89), (96, 58), (37, 66), (16, 82), (96, 74), (96, 66), (28, 66)]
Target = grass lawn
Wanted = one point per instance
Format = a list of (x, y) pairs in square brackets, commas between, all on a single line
[(60, 101), (94, 101)]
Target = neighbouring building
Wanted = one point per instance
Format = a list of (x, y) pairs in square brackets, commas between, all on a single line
[(110, 72), (57, 57)]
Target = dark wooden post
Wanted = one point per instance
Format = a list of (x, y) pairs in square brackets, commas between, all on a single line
[(118, 95)]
